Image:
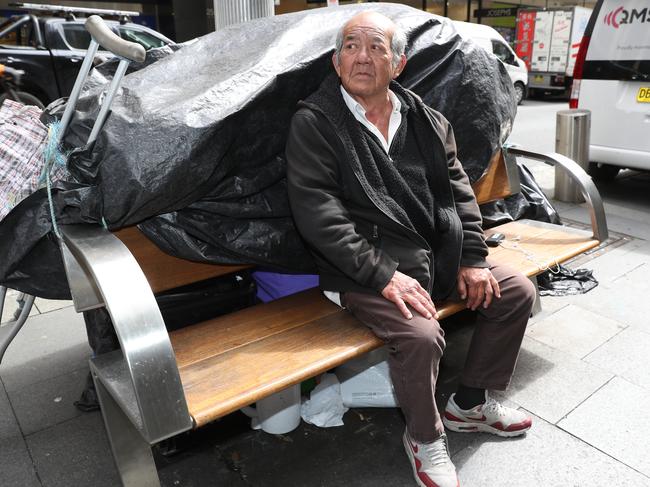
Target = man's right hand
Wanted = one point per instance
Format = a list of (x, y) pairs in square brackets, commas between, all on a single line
[(403, 290)]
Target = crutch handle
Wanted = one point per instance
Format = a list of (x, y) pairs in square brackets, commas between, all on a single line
[(110, 41)]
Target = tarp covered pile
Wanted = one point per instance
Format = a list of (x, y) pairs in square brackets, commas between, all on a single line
[(193, 150)]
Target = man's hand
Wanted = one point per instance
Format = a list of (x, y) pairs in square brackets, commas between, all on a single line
[(478, 285), (403, 289)]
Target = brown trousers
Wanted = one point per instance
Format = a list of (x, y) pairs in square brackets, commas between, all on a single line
[(416, 346)]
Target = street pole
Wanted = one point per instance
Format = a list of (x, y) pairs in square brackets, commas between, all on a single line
[(571, 140)]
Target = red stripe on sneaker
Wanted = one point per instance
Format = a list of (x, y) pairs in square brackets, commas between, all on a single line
[(426, 480), (451, 417), (525, 424)]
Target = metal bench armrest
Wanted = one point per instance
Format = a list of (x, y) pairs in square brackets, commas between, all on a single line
[(101, 270), (584, 182)]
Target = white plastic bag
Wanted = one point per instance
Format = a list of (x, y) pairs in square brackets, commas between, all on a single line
[(365, 382), (324, 407)]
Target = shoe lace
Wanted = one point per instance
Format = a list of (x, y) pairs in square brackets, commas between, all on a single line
[(438, 451), (492, 406)]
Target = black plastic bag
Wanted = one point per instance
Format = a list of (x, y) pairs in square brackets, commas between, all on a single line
[(562, 281), (531, 203), (193, 148)]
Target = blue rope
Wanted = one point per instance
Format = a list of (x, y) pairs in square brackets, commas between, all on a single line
[(53, 156)]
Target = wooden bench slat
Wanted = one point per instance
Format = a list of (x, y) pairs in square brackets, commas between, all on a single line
[(531, 247), (165, 272), (224, 383), (259, 322)]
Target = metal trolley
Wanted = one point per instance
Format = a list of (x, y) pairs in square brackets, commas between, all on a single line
[(126, 52)]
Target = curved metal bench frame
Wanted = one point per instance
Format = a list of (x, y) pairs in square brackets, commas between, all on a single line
[(139, 386), (583, 181)]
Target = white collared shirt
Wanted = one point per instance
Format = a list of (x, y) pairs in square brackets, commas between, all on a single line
[(393, 124), (360, 114)]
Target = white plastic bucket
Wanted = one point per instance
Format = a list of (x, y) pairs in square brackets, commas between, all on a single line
[(276, 414)]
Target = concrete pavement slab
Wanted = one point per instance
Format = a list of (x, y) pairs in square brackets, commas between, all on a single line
[(574, 330), (625, 355), (49, 345), (624, 299), (366, 452), (562, 206), (550, 305), (47, 305), (551, 383), (620, 261), (74, 453), (614, 420), (627, 224), (8, 422), (49, 402), (544, 456), (16, 469)]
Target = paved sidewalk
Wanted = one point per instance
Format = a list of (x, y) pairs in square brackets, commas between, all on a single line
[(583, 372)]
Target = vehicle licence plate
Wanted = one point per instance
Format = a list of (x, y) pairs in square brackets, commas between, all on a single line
[(643, 95), (539, 78)]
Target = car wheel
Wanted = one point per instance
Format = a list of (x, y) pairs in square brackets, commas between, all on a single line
[(24, 98), (602, 172), (520, 92)]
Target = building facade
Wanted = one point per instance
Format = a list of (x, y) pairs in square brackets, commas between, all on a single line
[(182, 20)]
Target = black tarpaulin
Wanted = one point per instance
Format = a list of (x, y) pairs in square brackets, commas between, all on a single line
[(193, 148)]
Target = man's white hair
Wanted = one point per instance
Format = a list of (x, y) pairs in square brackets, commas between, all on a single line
[(397, 44)]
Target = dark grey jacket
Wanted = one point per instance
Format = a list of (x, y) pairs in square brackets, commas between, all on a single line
[(357, 242)]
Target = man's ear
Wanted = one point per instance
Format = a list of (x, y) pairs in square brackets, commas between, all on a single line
[(335, 62), (400, 66)]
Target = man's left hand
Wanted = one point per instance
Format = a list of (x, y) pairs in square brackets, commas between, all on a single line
[(478, 286)]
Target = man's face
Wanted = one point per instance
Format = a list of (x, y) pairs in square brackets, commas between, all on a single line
[(366, 60)]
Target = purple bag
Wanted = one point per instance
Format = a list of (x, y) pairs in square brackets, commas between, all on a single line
[(274, 285)]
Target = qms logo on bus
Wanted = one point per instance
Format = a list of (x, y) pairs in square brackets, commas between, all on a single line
[(621, 16)]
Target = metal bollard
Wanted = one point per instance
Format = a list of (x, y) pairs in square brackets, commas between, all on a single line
[(571, 140)]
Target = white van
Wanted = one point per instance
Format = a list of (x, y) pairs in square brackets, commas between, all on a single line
[(613, 81), (493, 42)]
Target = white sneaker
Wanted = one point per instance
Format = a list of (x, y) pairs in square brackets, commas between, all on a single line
[(432, 466), (490, 417)]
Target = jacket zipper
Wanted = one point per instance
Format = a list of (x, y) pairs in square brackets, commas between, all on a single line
[(408, 230)]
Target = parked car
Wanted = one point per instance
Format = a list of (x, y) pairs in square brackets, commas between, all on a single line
[(612, 79), (493, 42), (50, 49)]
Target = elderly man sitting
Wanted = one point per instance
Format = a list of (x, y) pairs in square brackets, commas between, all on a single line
[(385, 206)]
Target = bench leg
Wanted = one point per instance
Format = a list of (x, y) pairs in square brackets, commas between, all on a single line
[(132, 454), (537, 305)]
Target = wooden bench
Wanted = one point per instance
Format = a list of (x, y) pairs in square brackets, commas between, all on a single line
[(160, 384)]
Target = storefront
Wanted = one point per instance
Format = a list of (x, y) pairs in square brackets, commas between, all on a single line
[(184, 19)]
